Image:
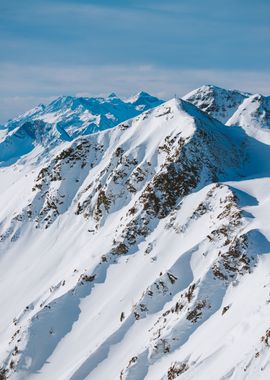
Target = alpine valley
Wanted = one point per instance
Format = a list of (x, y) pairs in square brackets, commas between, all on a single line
[(135, 239)]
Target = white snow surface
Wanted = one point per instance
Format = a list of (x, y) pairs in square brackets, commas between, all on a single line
[(253, 115), (141, 251)]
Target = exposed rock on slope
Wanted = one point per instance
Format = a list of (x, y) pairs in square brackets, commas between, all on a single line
[(139, 252), (216, 101)]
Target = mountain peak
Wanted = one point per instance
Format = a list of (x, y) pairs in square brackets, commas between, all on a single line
[(112, 95), (216, 101), (143, 101), (143, 94)]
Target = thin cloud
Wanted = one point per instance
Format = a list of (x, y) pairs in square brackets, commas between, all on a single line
[(174, 33), (40, 84)]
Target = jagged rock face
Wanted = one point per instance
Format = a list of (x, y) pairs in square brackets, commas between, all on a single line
[(235, 108), (189, 306), (217, 102), (181, 161), (140, 252)]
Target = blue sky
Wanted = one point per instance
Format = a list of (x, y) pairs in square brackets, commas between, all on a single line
[(93, 47)]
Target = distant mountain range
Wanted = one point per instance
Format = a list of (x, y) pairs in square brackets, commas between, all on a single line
[(135, 238), (67, 118)]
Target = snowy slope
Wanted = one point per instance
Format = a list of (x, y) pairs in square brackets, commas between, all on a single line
[(253, 115), (138, 252)]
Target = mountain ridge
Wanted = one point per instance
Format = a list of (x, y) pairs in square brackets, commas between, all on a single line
[(133, 252)]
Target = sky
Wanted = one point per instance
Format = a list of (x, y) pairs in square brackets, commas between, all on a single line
[(50, 48)]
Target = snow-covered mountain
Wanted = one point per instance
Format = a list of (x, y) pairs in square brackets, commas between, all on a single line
[(81, 115), (216, 101), (232, 107), (140, 251), (67, 118)]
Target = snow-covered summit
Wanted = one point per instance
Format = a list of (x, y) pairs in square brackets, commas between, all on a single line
[(143, 101), (232, 107), (217, 102)]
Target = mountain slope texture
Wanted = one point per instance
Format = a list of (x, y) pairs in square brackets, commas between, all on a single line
[(135, 239)]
